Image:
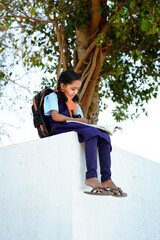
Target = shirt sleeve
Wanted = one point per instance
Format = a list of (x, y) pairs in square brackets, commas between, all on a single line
[(79, 110), (50, 103)]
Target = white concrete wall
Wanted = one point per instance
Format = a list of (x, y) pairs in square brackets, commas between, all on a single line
[(41, 194)]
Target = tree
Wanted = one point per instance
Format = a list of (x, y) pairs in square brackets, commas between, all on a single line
[(113, 45)]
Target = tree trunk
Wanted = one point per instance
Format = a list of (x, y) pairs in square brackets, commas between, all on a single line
[(91, 66), (93, 111), (82, 36), (88, 94)]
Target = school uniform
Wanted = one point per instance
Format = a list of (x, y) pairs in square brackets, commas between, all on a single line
[(92, 137)]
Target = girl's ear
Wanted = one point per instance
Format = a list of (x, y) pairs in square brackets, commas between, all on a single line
[(62, 86)]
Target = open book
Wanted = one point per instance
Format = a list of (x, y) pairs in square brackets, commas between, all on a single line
[(106, 128)]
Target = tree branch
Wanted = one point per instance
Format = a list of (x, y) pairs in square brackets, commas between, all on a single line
[(127, 49), (95, 21), (86, 100), (60, 41), (114, 14), (87, 52), (93, 65), (101, 34), (85, 72), (34, 19), (14, 82)]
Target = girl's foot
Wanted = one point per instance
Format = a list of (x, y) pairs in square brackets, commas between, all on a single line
[(111, 184), (94, 182)]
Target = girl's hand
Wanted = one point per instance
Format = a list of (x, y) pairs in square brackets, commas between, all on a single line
[(62, 118), (84, 120)]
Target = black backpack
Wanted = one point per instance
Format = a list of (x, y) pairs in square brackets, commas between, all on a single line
[(38, 114)]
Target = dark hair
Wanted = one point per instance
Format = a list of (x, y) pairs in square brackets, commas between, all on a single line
[(66, 77)]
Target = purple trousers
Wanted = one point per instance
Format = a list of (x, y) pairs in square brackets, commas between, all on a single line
[(104, 149)]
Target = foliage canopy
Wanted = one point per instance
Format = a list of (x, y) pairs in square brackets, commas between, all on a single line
[(113, 45)]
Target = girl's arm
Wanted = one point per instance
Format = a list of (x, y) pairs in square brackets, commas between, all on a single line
[(57, 117)]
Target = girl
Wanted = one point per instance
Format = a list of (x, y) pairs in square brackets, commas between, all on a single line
[(62, 106)]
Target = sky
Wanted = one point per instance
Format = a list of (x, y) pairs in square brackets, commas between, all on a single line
[(140, 137)]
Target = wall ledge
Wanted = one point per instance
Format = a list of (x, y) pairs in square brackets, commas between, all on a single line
[(41, 194)]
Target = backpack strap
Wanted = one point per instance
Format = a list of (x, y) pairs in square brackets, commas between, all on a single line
[(71, 105), (53, 129)]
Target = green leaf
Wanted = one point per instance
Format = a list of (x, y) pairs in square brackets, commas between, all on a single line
[(144, 25), (33, 11), (117, 34), (138, 53), (2, 75), (153, 29), (132, 4), (122, 12)]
